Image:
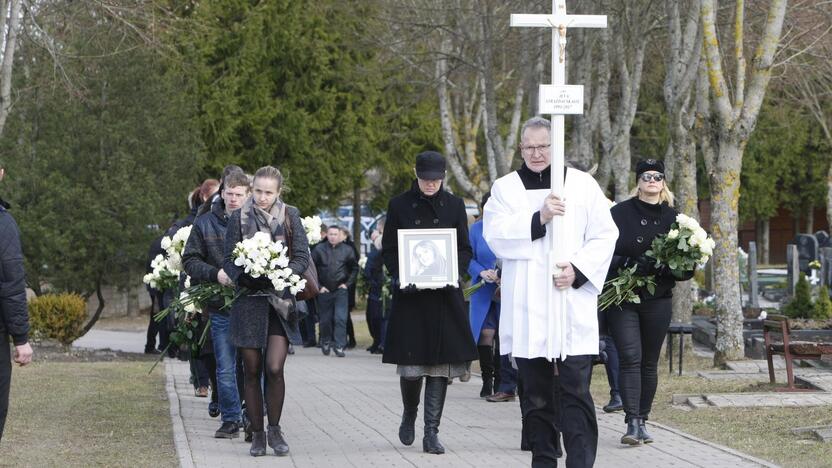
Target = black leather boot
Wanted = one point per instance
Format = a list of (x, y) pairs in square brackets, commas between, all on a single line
[(615, 404), (411, 390), (276, 441), (258, 444), (435, 390), (632, 435), (487, 369), (643, 434)]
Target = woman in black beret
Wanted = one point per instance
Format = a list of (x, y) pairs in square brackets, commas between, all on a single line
[(639, 329)]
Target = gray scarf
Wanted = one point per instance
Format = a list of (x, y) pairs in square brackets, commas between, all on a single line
[(254, 219)]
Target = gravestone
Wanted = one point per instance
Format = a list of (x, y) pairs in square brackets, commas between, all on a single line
[(807, 251), (823, 239), (826, 266)]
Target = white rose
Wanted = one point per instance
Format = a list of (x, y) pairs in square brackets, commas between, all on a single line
[(166, 242), (673, 234)]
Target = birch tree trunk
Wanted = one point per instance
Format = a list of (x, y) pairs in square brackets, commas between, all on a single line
[(682, 57), (11, 27), (733, 124)]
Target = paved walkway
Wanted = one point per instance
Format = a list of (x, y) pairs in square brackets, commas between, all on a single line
[(345, 412)]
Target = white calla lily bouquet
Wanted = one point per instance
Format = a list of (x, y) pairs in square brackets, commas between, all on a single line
[(681, 250), (260, 256)]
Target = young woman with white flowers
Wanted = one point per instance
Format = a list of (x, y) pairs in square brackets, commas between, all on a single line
[(257, 328), (638, 329)]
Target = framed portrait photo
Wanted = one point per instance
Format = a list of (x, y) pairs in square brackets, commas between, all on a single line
[(428, 258)]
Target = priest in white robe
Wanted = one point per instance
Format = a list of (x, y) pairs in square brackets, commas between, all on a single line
[(553, 348)]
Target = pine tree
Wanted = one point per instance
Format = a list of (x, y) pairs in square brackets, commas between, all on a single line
[(823, 305), (801, 304)]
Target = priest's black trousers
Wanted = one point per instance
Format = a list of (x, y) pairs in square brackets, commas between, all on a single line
[(559, 403)]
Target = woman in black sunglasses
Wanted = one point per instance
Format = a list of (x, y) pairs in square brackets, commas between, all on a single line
[(639, 329)]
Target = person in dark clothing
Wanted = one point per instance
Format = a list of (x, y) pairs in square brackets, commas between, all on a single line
[(428, 334), (345, 233), (153, 327), (257, 329), (203, 260), (14, 316), (639, 329), (374, 275), (611, 363), (337, 267), (226, 171)]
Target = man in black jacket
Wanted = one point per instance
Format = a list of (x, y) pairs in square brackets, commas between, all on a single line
[(337, 268), (14, 316), (202, 260)]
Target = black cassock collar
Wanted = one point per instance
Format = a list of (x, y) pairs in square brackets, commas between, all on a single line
[(537, 180)]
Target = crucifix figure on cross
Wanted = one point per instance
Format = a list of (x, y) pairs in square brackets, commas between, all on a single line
[(558, 99)]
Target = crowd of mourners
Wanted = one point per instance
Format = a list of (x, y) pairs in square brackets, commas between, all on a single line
[(431, 334)]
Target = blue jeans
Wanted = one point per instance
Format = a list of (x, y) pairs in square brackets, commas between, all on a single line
[(332, 314), (226, 356)]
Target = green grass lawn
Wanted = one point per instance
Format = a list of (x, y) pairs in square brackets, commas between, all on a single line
[(761, 432), (88, 414)]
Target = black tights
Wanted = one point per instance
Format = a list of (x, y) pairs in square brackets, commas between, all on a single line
[(276, 351), (639, 331)]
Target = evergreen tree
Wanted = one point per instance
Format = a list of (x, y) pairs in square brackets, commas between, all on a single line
[(823, 306), (801, 304)]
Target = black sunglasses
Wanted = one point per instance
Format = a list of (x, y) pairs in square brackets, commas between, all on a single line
[(648, 177)]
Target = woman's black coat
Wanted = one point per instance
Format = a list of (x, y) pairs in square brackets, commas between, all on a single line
[(427, 327), (638, 224), (250, 314)]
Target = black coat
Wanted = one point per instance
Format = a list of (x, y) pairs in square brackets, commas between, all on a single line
[(638, 224), (250, 314), (204, 253), (14, 316), (427, 327), (336, 265)]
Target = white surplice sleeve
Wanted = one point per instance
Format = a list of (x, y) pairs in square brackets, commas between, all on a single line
[(507, 221), (600, 235)]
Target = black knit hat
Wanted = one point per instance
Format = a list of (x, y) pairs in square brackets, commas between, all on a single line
[(649, 165), (430, 165)]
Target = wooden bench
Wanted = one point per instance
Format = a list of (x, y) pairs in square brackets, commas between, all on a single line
[(790, 350)]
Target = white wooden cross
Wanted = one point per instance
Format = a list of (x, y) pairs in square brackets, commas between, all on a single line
[(558, 99)]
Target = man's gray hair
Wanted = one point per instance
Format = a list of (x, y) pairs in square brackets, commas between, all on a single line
[(536, 122)]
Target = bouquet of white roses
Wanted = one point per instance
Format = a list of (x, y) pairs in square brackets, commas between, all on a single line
[(684, 247), (168, 266), (260, 256), (163, 275), (175, 246), (312, 226)]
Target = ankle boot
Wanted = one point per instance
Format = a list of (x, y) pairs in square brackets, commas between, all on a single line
[(615, 404), (411, 389), (487, 367), (435, 390), (258, 444), (632, 435), (643, 434), (276, 441)]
